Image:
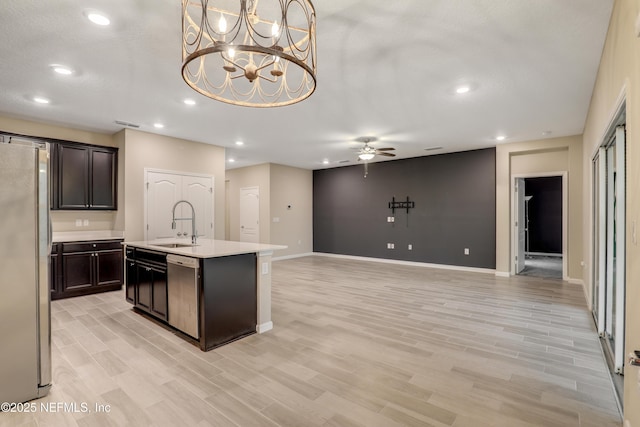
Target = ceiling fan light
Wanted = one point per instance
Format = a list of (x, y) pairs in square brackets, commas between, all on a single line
[(366, 156)]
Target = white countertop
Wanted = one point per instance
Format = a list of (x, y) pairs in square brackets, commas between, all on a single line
[(206, 248), (83, 236)]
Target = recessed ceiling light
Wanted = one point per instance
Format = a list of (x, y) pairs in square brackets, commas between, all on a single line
[(61, 69), (98, 18), (546, 133), (239, 143), (325, 162), (190, 102), (501, 138), (232, 160), (158, 125), (462, 89), (41, 100)]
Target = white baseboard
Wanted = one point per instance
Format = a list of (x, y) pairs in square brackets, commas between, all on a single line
[(264, 327), (576, 281), (503, 274), (281, 258), (410, 263)]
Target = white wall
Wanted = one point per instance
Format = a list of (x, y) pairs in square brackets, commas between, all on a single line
[(280, 186), (146, 150), (619, 76), (292, 187), (541, 156)]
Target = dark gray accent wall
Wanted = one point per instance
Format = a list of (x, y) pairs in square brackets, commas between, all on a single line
[(455, 208), (545, 214)]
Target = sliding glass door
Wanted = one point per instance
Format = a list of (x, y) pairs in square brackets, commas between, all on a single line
[(609, 244)]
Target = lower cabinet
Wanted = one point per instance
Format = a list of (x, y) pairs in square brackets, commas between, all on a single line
[(54, 270), (146, 281), (86, 268)]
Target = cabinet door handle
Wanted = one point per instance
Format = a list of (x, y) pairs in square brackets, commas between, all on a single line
[(148, 269)]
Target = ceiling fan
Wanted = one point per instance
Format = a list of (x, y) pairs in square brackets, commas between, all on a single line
[(367, 152)]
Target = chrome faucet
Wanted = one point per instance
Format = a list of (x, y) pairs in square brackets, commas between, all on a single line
[(194, 233)]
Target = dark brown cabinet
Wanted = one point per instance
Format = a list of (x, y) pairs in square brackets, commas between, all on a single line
[(54, 260), (84, 177), (146, 281), (131, 279), (87, 268)]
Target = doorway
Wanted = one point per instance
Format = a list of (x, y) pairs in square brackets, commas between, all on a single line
[(539, 210)]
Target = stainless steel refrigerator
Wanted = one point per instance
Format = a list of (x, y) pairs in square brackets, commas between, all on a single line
[(25, 244)]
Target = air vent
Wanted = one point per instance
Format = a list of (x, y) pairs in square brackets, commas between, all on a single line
[(344, 161), (127, 124), (433, 148)]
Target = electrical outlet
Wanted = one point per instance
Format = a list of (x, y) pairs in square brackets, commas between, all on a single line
[(78, 223), (390, 246), (391, 219), (466, 251), (410, 247), (85, 222)]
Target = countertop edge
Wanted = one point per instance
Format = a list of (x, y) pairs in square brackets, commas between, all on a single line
[(207, 249)]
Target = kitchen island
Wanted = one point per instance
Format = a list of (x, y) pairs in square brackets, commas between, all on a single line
[(214, 292)]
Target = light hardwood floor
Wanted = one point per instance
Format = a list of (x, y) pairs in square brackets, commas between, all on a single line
[(355, 344)]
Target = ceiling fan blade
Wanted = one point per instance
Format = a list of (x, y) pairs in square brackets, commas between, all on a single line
[(385, 149), (386, 154)]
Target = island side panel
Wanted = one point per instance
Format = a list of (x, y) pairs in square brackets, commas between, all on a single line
[(228, 299), (264, 292)]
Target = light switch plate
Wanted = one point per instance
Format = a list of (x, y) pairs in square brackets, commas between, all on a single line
[(265, 268)]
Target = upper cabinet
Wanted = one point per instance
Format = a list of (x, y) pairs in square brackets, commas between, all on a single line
[(83, 177)]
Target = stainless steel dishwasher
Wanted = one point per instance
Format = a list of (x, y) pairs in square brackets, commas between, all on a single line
[(183, 302)]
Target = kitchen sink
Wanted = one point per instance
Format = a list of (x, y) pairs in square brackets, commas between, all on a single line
[(174, 245)]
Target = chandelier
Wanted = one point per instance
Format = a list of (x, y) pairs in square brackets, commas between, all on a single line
[(255, 53)]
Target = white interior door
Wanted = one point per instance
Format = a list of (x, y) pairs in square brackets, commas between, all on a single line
[(249, 214), (163, 191), (520, 225), (198, 191)]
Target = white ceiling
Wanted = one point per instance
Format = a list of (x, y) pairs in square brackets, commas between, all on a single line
[(385, 68)]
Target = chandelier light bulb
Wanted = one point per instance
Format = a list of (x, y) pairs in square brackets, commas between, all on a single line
[(275, 29), (222, 24), (231, 52)]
